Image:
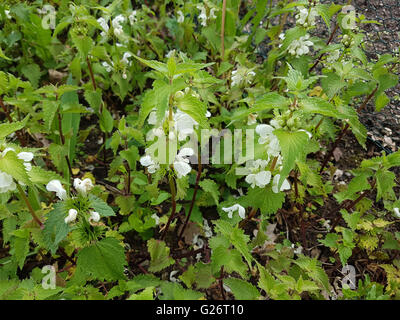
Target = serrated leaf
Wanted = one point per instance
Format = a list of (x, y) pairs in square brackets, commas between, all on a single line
[(194, 108), (292, 148), (105, 260), (211, 187), (55, 229), (242, 290), (264, 199), (8, 128), (101, 207), (14, 166), (159, 254)]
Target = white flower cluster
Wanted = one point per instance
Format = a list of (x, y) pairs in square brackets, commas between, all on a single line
[(397, 212), (241, 76), (81, 186), (236, 207), (181, 16), (300, 46), (116, 24), (265, 131), (306, 17), (7, 182), (73, 213), (203, 15)]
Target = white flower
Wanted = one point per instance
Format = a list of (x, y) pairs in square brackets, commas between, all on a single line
[(202, 15), (172, 276), (147, 161), (156, 218), (6, 182), (72, 213), (27, 157), (301, 46), (297, 250), (94, 216), (181, 17), (83, 186), (104, 25), (132, 18), (285, 184), (6, 150), (212, 14), (235, 207), (125, 58), (152, 118), (266, 136), (56, 186), (260, 179), (7, 12), (181, 163), (306, 17), (116, 23), (397, 212), (170, 54), (207, 229), (107, 66), (241, 75)]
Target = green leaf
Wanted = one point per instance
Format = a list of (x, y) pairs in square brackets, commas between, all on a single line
[(20, 246), (159, 66), (194, 108), (41, 176), (385, 183), (292, 147), (94, 99), (242, 290), (83, 43), (318, 105), (330, 240), (211, 187), (159, 254), (55, 229), (100, 206), (381, 101), (8, 128), (32, 72), (15, 167), (270, 100), (106, 121), (50, 108), (237, 238), (264, 199), (105, 260)]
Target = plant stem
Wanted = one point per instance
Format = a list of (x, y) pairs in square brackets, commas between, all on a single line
[(322, 55), (173, 194), (28, 204), (221, 283), (196, 187), (91, 73), (223, 30), (248, 218), (63, 142)]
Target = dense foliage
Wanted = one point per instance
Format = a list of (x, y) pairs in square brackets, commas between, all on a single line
[(106, 194)]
